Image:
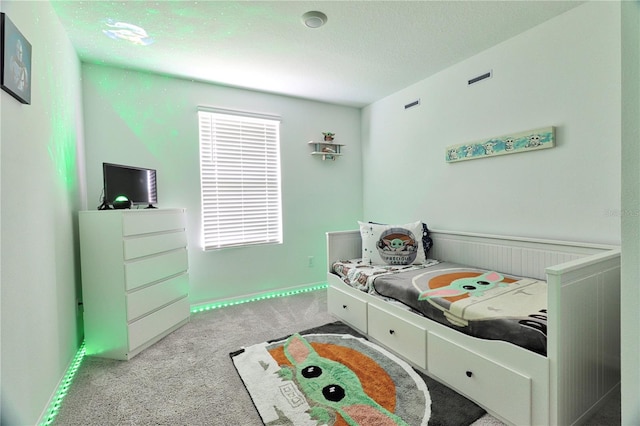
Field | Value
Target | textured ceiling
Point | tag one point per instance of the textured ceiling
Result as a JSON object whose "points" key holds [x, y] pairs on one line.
{"points": [[366, 51]]}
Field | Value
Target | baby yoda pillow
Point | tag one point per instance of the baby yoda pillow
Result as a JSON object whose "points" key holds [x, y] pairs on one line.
{"points": [[392, 244]]}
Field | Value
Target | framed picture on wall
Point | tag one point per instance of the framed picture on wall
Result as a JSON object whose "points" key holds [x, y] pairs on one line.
{"points": [[15, 70]]}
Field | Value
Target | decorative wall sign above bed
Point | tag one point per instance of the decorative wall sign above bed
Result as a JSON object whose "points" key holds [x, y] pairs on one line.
{"points": [[509, 144]]}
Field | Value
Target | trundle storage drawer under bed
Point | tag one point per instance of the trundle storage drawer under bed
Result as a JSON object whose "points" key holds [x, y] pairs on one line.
{"points": [[406, 338], [488, 383], [349, 308]]}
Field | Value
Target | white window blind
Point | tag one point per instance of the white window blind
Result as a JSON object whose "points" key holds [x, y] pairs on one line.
{"points": [[239, 179]]}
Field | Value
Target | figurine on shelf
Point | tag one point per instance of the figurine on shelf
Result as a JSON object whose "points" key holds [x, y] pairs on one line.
{"points": [[328, 136]]}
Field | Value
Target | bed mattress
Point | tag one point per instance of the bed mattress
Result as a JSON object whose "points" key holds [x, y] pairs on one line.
{"points": [[480, 303]]}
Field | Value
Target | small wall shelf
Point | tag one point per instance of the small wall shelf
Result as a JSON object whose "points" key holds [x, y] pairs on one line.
{"points": [[328, 150]]}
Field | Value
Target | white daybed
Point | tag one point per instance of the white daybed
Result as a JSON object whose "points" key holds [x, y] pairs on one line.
{"points": [[518, 386]]}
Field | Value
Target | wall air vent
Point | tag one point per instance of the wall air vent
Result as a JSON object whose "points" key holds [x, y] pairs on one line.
{"points": [[480, 78], [412, 104]]}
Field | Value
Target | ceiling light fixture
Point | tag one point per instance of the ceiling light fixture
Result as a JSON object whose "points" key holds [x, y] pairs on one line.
{"points": [[314, 19]]}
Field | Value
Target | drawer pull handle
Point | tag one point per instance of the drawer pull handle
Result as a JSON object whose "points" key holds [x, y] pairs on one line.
{"points": [[392, 331], [469, 373], [344, 306]]}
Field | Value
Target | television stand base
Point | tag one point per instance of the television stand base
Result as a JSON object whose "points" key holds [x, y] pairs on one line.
{"points": [[104, 206]]}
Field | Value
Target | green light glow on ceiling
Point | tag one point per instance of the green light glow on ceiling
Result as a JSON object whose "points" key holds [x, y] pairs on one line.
{"points": [[128, 32], [142, 102], [65, 384]]}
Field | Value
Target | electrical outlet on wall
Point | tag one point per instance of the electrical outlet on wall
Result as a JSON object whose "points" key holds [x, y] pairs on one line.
{"points": [[310, 261]]}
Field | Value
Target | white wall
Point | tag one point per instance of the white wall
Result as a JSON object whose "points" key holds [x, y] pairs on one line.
{"points": [[42, 179], [631, 217], [149, 120], [563, 73]]}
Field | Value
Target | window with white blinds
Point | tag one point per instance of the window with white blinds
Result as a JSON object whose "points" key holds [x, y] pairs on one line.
{"points": [[239, 179]]}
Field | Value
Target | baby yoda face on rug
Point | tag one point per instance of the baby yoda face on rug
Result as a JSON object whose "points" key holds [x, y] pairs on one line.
{"points": [[331, 387]]}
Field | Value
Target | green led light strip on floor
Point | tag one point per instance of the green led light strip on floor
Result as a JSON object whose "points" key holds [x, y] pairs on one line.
{"points": [[65, 384], [217, 305], [56, 403]]}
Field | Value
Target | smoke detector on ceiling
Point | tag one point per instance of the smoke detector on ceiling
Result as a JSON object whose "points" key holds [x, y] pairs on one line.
{"points": [[314, 19]]}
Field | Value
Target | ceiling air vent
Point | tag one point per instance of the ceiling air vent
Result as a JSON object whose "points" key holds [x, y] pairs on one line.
{"points": [[480, 78], [412, 104]]}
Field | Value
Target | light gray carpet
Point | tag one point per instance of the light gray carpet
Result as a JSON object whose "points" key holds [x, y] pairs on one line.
{"points": [[188, 377]]}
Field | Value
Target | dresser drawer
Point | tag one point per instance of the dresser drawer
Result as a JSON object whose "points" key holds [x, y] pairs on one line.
{"points": [[348, 308], [151, 244], [146, 328], [399, 335], [499, 388], [149, 269], [147, 222], [147, 299]]}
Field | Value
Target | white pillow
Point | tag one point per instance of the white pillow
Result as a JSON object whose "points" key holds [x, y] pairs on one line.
{"points": [[392, 244]]}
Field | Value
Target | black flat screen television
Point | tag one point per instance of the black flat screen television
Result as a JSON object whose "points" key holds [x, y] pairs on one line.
{"points": [[136, 183]]}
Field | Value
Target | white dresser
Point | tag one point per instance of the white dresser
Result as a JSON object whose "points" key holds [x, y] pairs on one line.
{"points": [[135, 283]]}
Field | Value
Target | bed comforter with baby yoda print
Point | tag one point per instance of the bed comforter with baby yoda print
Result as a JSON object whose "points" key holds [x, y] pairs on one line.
{"points": [[480, 303]]}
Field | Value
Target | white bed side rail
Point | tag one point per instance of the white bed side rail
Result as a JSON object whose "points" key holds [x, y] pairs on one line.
{"points": [[525, 257], [584, 331], [343, 245]]}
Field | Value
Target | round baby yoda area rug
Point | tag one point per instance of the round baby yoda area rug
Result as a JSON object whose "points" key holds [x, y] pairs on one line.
{"points": [[331, 375]]}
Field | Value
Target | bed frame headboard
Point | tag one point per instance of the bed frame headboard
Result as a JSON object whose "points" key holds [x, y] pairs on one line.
{"points": [[527, 257]]}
